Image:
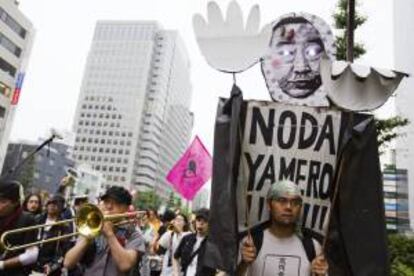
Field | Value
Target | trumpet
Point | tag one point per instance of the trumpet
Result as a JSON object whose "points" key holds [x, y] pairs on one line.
{"points": [[171, 227], [89, 222]]}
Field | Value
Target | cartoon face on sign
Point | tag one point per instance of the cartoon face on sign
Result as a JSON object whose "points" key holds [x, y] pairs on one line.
{"points": [[291, 65]]}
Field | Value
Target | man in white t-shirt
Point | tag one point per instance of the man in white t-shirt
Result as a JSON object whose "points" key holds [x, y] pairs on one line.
{"points": [[281, 251]]}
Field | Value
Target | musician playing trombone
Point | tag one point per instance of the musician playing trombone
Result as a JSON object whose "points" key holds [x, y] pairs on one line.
{"points": [[116, 250], [19, 262]]}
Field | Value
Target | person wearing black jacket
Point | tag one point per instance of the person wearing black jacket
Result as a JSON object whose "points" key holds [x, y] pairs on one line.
{"points": [[51, 254], [12, 216], [190, 251]]}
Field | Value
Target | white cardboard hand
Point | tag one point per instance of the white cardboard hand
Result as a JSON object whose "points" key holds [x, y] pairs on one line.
{"points": [[358, 88], [226, 44]]}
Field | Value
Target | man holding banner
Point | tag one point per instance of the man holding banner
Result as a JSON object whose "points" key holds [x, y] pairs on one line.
{"points": [[280, 246]]}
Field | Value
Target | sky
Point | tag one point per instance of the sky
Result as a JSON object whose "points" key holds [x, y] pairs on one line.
{"points": [[64, 31]]}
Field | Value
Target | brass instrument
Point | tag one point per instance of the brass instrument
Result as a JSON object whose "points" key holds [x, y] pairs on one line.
{"points": [[171, 227], [89, 222]]}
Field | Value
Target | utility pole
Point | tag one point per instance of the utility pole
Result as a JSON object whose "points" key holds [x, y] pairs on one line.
{"points": [[350, 31]]}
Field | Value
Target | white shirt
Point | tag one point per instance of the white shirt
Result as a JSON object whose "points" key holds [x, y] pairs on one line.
{"points": [[170, 246], [281, 257], [192, 267]]}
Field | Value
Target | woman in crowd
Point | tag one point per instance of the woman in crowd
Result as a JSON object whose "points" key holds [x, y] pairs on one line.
{"points": [[33, 204], [149, 234], [169, 242], [153, 219]]}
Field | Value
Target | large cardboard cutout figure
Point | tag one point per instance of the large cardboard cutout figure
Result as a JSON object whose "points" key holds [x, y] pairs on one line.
{"points": [[307, 135]]}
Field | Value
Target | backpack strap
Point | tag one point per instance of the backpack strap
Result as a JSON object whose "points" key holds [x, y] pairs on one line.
{"points": [[257, 236], [309, 247], [257, 233], [307, 241]]}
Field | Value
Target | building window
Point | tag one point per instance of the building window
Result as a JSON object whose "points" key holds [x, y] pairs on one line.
{"points": [[10, 45], [2, 111], [16, 27], [7, 67]]}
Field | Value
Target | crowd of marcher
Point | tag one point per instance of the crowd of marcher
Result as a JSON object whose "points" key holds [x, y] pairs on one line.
{"points": [[150, 244], [144, 243]]}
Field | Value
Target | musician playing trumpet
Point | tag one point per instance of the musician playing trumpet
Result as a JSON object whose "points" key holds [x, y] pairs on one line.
{"points": [[116, 250]]}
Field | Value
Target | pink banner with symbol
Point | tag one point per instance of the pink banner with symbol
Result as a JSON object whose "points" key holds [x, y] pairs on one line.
{"points": [[193, 170]]}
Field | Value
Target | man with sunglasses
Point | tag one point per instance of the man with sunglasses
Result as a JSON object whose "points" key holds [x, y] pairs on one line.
{"points": [[280, 249]]}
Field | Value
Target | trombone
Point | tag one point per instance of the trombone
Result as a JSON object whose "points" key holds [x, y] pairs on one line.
{"points": [[89, 222]]}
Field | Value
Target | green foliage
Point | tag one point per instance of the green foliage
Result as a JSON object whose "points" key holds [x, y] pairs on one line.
{"points": [[171, 201], [401, 249], [147, 200], [340, 16], [340, 19], [340, 43], [174, 201], [387, 129]]}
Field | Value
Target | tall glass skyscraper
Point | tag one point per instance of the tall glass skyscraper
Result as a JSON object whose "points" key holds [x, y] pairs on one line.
{"points": [[133, 121]]}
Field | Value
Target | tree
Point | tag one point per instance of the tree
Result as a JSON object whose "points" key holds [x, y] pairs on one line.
{"points": [[147, 200], [386, 128], [401, 250], [171, 201], [340, 19]]}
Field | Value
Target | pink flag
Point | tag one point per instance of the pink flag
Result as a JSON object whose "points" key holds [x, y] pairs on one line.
{"points": [[193, 170]]}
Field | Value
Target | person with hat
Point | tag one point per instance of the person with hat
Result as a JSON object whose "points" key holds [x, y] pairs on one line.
{"points": [[79, 201], [12, 216], [190, 251], [51, 254], [281, 248], [116, 250]]}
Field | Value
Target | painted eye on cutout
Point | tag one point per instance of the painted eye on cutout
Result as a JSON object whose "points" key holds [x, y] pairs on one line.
{"points": [[313, 50], [286, 52]]}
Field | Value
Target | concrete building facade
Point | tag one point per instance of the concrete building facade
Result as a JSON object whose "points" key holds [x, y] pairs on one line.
{"points": [[404, 61], [16, 38], [133, 120]]}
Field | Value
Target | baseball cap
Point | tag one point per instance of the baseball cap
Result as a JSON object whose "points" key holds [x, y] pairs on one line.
{"points": [[58, 200], [202, 213], [119, 194], [80, 199], [283, 188]]}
